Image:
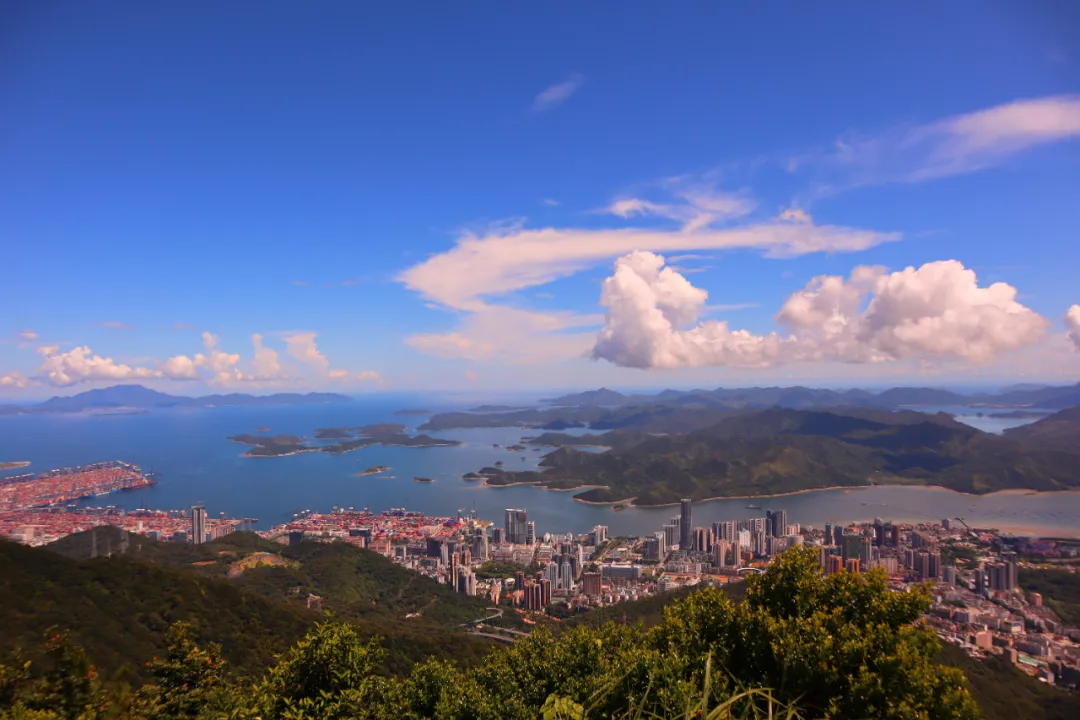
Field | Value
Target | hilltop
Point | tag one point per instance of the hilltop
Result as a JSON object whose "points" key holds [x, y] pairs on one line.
{"points": [[1060, 431]]}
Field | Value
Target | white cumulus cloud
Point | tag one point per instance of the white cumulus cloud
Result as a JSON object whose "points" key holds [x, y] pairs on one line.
{"points": [[1072, 322], [16, 380], [936, 311], [80, 365], [302, 347], [180, 367], [265, 366]]}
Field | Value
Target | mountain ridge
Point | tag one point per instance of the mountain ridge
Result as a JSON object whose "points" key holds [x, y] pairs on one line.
{"points": [[141, 397]]}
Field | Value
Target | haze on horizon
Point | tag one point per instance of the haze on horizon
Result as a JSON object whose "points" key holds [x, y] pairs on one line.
{"points": [[205, 199]]}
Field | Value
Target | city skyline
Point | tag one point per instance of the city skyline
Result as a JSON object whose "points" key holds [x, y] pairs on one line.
{"points": [[344, 198]]}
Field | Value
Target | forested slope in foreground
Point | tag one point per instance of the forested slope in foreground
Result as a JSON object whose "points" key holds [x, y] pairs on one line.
{"points": [[842, 646], [120, 608]]}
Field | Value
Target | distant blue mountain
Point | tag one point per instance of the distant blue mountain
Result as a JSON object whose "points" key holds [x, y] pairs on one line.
{"points": [[137, 396]]}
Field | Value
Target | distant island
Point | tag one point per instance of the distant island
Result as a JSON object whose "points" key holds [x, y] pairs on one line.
{"points": [[779, 451], [423, 480], [373, 470], [131, 398], [686, 410], [413, 412], [350, 439], [14, 465]]}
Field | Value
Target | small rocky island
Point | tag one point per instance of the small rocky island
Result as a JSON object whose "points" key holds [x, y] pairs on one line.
{"points": [[14, 465], [373, 470], [423, 480], [349, 439]]}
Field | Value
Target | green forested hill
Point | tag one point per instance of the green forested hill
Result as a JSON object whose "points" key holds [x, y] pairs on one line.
{"points": [[778, 451], [119, 607]]}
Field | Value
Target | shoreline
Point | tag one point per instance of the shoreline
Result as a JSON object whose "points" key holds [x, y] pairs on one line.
{"points": [[1009, 491], [630, 500]]}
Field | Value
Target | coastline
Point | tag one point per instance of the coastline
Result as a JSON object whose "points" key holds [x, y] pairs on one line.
{"points": [[1009, 491], [14, 465]]}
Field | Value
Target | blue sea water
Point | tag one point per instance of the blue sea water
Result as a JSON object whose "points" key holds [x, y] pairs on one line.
{"points": [[194, 463]]}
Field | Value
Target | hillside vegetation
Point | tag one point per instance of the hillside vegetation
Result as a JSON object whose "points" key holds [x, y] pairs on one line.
{"points": [[843, 647], [120, 608], [778, 451]]}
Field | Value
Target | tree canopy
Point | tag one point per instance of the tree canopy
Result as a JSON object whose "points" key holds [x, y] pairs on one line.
{"points": [[799, 645]]}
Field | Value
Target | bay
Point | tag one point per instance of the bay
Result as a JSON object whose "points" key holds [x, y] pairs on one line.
{"points": [[194, 463]]}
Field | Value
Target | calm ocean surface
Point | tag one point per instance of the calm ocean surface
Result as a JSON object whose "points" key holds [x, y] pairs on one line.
{"points": [[194, 463]]}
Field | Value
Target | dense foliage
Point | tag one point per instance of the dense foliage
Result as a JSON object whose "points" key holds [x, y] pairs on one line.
{"points": [[1005, 693], [842, 646], [120, 608], [1060, 590]]}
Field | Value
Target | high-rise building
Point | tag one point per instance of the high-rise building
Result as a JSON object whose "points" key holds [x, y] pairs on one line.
{"points": [[671, 534], [566, 575], [497, 535], [686, 525], [828, 534], [652, 547], [1009, 558], [198, 525], [725, 530], [852, 565], [866, 551], [833, 564], [776, 523], [838, 536], [599, 534], [851, 547], [934, 565], [530, 532], [893, 535], [948, 574], [702, 539], [879, 532], [946, 524], [591, 583], [516, 520], [721, 551], [980, 581], [480, 546], [742, 539]]}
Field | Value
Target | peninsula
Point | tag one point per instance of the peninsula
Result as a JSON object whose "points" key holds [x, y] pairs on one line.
{"points": [[779, 451], [350, 439]]}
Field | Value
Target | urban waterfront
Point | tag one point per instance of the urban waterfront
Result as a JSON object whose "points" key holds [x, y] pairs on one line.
{"points": [[194, 463]]}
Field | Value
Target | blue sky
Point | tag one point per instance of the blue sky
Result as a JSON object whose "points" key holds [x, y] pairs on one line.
{"points": [[433, 196]]}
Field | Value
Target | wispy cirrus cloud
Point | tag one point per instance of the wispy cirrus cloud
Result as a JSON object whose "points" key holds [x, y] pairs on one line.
{"points": [[951, 146], [504, 258], [555, 95], [113, 324]]}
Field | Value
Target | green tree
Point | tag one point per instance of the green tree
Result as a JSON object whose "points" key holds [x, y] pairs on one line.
{"points": [[842, 646], [190, 682]]}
